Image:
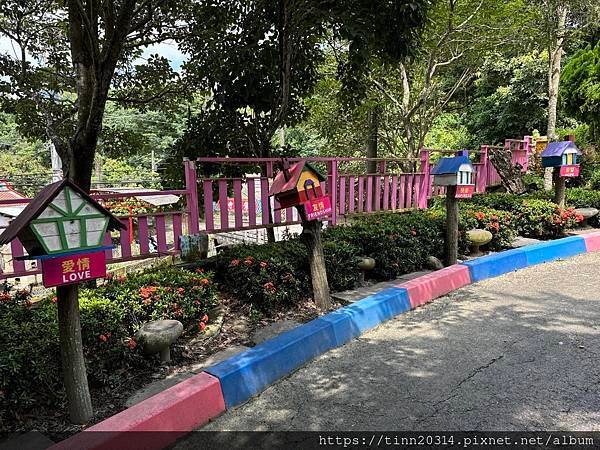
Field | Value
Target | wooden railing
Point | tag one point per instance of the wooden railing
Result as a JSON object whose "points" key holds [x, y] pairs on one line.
{"points": [[217, 204]]}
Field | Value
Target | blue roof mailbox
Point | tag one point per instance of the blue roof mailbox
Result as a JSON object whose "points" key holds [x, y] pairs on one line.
{"points": [[455, 171], [563, 155]]}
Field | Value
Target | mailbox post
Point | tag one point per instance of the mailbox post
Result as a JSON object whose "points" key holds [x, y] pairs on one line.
{"points": [[300, 185], [64, 228], [563, 157], [456, 174]]}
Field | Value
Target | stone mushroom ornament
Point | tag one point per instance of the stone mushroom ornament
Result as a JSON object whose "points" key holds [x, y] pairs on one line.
{"points": [[477, 238], [157, 337]]}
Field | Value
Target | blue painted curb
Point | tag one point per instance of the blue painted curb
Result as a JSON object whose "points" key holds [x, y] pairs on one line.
{"points": [[353, 320], [552, 250], [250, 372], [495, 265], [245, 375]]}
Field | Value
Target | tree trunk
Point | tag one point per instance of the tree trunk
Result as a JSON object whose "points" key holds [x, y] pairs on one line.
{"points": [[71, 349], [559, 187], [554, 65], [372, 167], [511, 176], [311, 236], [451, 243]]}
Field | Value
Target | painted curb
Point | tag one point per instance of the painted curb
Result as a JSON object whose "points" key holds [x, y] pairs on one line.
{"points": [[427, 287], [495, 265], [178, 410], [553, 250], [193, 402], [245, 375], [592, 241]]}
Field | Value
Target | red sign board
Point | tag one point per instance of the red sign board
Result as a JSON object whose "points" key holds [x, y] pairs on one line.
{"points": [[72, 269], [317, 208], [569, 171], [465, 191]]}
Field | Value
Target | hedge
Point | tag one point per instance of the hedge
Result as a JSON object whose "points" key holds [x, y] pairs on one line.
{"points": [[534, 215], [275, 275], [30, 368]]}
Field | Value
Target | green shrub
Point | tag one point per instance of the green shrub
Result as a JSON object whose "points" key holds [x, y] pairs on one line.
{"points": [[499, 223], [30, 367], [534, 215]]}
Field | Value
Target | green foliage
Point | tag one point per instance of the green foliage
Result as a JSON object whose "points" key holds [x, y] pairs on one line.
{"points": [[269, 276], [510, 98], [532, 217], [448, 131], [30, 369], [580, 85]]}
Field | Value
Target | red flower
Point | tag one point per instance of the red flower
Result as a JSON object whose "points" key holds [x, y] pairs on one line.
{"points": [[413, 232], [234, 262], [146, 301], [263, 264], [204, 281], [270, 287], [5, 297], [54, 299], [199, 270], [28, 303], [131, 344], [180, 291], [121, 278], [249, 260], [202, 326], [103, 338], [204, 318], [479, 215]]}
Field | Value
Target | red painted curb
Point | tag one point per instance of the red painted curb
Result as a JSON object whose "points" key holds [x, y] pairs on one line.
{"points": [[424, 289], [177, 410], [592, 241]]}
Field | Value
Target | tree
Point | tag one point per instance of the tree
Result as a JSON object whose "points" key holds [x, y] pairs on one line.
{"points": [[580, 88], [72, 58], [509, 98], [459, 35]]}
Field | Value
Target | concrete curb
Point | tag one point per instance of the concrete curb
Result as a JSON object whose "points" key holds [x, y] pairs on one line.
{"points": [[195, 401]]}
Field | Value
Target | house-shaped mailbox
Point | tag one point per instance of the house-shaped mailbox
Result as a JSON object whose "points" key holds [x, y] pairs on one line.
{"points": [[564, 155], [455, 171], [64, 228], [300, 185]]}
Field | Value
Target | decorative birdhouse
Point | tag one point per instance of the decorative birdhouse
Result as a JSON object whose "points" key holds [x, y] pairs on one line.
{"points": [[300, 185], [64, 227], [563, 155], [455, 171]]}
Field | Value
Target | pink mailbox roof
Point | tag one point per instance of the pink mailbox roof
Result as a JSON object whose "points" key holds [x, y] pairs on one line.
{"points": [[280, 184]]}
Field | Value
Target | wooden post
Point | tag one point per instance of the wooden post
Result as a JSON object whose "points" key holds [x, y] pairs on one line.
{"points": [[559, 188], [451, 242], [311, 236], [71, 350]]}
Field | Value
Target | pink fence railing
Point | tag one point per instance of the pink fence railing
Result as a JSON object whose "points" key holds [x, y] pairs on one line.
{"points": [[215, 204], [145, 236]]}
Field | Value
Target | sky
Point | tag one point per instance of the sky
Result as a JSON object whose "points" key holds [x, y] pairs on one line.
{"points": [[167, 49]]}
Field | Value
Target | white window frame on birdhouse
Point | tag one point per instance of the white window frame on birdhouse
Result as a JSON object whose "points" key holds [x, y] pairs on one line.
{"points": [[70, 223]]}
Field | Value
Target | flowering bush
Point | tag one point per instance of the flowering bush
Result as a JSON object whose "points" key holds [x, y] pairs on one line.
{"points": [[30, 371], [499, 223]]}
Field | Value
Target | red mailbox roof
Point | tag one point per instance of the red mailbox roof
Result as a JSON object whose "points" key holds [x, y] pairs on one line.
{"points": [[39, 203], [280, 184]]}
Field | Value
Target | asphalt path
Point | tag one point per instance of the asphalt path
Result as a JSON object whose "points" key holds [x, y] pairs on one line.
{"points": [[517, 352]]}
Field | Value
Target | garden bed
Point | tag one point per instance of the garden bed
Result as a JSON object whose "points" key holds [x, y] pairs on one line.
{"points": [[254, 284]]}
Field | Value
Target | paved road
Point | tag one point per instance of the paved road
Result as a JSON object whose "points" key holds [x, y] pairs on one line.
{"points": [[518, 352]]}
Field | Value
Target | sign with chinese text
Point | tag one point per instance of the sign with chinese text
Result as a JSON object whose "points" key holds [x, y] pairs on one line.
{"points": [[317, 208], [465, 191], [569, 171], [74, 268]]}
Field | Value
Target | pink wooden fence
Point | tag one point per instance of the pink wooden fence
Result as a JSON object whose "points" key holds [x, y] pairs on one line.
{"points": [[224, 204]]}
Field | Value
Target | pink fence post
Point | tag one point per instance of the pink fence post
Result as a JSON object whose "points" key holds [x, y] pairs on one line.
{"points": [[424, 182], [125, 240], [191, 186], [161, 233], [237, 202], [176, 230], [482, 176], [209, 221], [332, 184], [251, 202], [16, 249], [342, 210], [143, 235]]}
